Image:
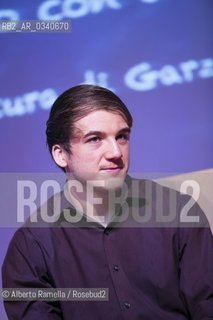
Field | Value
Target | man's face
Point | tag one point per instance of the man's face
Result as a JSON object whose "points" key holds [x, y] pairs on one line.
{"points": [[100, 149]]}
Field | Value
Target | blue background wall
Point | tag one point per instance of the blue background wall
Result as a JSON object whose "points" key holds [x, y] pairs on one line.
{"points": [[157, 55]]}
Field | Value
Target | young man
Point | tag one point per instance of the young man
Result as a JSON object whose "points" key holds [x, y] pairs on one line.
{"points": [[113, 231]]}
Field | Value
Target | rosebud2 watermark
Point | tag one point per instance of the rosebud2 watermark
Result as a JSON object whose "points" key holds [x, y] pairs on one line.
{"points": [[54, 294]]}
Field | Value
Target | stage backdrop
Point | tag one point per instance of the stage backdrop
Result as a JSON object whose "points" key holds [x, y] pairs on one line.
{"points": [[157, 55]]}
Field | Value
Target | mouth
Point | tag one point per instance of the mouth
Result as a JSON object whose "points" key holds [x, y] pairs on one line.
{"points": [[112, 169]]}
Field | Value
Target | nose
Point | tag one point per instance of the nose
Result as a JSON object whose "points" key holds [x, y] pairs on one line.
{"points": [[113, 150]]}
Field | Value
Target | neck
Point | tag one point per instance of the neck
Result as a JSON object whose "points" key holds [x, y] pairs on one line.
{"points": [[95, 202]]}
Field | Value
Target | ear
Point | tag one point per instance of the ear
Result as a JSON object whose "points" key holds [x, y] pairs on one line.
{"points": [[59, 155]]}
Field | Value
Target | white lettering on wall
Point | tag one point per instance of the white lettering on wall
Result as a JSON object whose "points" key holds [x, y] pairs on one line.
{"points": [[27, 103], [9, 14], [99, 79], [142, 77], [58, 9]]}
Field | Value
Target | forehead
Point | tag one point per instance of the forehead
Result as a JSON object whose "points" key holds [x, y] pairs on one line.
{"points": [[101, 120]]}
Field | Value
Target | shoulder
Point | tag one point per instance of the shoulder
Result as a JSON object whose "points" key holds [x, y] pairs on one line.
{"points": [[168, 207]]}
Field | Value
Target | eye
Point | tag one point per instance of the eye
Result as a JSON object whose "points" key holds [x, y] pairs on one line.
{"points": [[123, 137], [94, 140]]}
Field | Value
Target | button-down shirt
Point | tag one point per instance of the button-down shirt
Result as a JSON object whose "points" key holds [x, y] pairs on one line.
{"points": [[152, 271]]}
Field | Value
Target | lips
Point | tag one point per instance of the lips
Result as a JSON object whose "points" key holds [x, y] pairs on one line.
{"points": [[112, 169]]}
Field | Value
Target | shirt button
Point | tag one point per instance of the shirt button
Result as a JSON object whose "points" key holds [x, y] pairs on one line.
{"points": [[127, 305], [116, 267]]}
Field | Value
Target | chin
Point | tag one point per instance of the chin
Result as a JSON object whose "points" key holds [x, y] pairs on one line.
{"points": [[106, 181], [114, 182]]}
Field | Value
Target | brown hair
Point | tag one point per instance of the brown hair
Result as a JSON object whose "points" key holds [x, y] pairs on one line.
{"points": [[76, 103]]}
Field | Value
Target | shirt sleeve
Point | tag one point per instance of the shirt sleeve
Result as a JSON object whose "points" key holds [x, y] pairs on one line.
{"points": [[196, 267], [24, 267]]}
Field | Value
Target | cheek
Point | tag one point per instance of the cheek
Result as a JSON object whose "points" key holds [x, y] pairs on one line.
{"points": [[85, 159], [125, 152]]}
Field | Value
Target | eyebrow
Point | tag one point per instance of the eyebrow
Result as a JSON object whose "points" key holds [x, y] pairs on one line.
{"points": [[101, 133]]}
